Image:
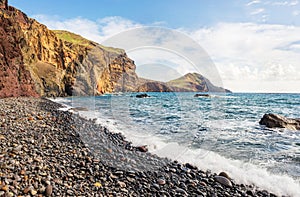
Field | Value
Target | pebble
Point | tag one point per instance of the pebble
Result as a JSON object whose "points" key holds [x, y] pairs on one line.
{"points": [[56, 153], [224, 174], [161, 181], [223, 181], [121, 184], [33, 192], [49, 190]]}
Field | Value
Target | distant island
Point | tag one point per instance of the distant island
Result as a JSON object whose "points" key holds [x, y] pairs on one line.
{"points": [[41, 62]]}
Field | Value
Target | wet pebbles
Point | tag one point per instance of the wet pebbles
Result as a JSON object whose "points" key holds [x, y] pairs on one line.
{"points": [[47, 152]]}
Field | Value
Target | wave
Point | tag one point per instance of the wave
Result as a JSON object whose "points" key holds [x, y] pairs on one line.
{"points": [[241, 172]]}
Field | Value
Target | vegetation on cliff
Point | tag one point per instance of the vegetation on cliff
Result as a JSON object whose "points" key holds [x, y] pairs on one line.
{"points": [[57, 63], [36, 61]]}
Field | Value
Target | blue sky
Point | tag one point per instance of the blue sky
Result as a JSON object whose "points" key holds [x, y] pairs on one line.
{"points": [[174, 13], [254, 44]]}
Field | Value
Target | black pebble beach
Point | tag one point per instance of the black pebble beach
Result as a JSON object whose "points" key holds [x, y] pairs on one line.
{"points": [[44, 152]]}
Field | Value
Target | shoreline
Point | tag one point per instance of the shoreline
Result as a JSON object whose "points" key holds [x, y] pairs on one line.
{"points": [[43, 152]]}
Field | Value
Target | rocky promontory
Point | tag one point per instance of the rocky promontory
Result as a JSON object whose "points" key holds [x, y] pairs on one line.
{"points": [[36, 61]]}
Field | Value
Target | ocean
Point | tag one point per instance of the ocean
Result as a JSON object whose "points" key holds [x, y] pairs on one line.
{"points": [[217, 133]]}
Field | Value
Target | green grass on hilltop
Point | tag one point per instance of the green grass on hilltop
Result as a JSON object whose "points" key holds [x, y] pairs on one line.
{"points": [[77, 39], [72, 38]]}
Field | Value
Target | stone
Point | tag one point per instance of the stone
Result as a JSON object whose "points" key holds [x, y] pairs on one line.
{"points": [[121, 184], [33, 192], [224, 174], [142, 96], [4, 188], [49, 190], [142, 148], [278, 121], [161, 181], [181, 191], [223, 181], [202, 95], [190, 166]]}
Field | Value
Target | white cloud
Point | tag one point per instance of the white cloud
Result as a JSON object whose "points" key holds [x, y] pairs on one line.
{"points": [[253, 2], [293, 3], [248, 56], [257, 11], [94, 30], [284, 3], [295, 12], [250, 52]]}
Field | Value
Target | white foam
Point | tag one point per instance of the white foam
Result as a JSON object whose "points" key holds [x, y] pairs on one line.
{"points": [[246, 173], [63, 102], [241, 172]]}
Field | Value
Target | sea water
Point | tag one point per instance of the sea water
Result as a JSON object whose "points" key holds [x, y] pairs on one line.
{"points": [[220, 132]]}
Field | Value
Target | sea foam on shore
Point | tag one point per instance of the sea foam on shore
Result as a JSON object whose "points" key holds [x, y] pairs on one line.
{"points": [[242, 172]]}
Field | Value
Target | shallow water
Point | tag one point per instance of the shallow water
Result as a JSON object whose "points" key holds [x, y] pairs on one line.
{"points": [[220, 133]]}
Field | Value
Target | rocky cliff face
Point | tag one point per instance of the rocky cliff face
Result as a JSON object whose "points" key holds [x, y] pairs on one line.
{"points": [[191, 82], [15, 80], [38, 61]]}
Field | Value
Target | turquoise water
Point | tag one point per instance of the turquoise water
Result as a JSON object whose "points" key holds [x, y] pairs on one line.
{"points": [[224, 125]]}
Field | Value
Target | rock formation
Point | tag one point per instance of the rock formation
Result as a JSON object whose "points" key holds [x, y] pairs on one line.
{"points": [[194, 82], [191, 82], [38, 61], [3, 4], [277, 121], [15, 80]]}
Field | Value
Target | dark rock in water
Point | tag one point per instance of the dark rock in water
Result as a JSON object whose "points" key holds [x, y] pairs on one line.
{"points": [[142, 96], [202, 95], [277, 121], [79, 109], [143, 149]]}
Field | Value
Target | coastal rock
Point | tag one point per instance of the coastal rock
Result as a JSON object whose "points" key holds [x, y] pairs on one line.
{"points": [[202, 95], [49, 190], [194, 82], [278, 121], [154, 86], [142, 148], [224, 174], [223, 181], [41, 62], [191, 82], [142, 96]]}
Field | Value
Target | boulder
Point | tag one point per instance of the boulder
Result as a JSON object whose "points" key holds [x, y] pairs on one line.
{"points": [[278, 121], [142, 148], [202, 95], [142, 96], [223, 180]]}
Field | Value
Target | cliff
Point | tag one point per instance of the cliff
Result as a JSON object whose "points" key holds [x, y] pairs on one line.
{"points": [[191, 82], [37, 61], [194, 82], [15, 79]]}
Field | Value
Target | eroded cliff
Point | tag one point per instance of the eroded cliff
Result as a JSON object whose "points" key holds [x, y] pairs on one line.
{"points": [[38, 61]]}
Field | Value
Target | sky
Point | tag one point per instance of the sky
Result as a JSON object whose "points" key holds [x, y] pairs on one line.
{"points": [[254, 45]]}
